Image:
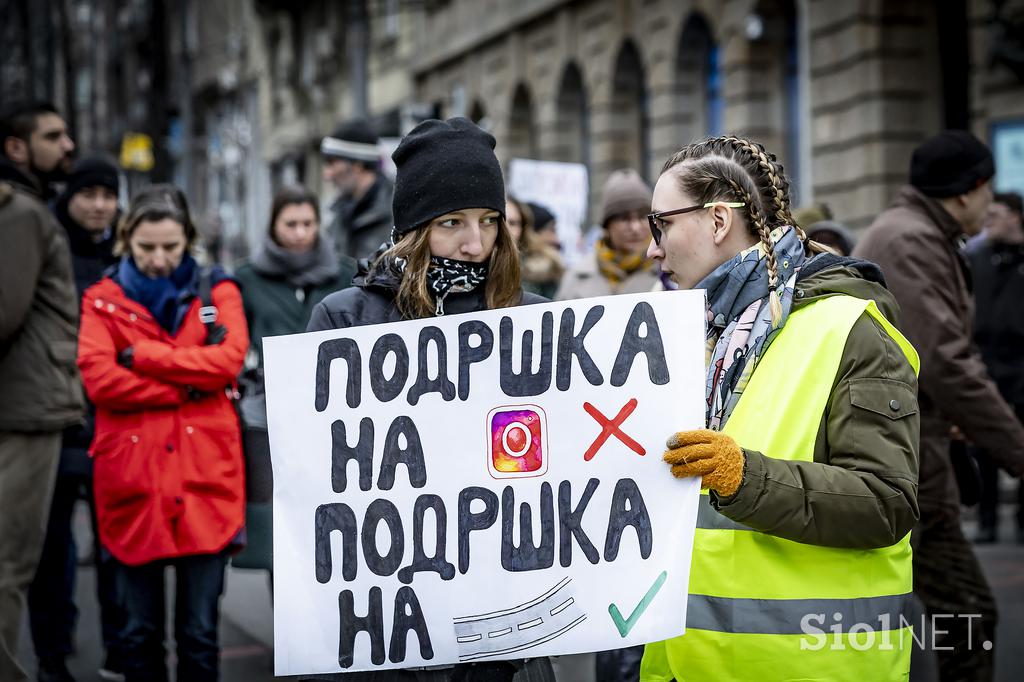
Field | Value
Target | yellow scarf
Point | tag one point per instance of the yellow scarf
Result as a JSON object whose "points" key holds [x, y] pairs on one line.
{"points": [[616, 266]]}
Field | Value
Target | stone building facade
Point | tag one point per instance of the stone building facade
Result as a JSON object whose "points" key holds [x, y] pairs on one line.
{"points": [[842, 92], [236, 94]]}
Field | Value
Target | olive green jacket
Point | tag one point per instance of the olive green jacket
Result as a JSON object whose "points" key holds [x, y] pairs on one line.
{"points": [[861, 489], [40, 389]]}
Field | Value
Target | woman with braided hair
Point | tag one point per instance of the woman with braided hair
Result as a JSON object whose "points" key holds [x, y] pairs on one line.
{"points": [[801, 567]]}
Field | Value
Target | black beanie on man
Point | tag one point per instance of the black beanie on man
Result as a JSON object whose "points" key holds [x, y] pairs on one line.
{"points": [[92, 171], [950, 164], [445, 166]]}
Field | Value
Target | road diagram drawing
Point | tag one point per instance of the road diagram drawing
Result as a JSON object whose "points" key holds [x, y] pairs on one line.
{"points": [[520, 627]]}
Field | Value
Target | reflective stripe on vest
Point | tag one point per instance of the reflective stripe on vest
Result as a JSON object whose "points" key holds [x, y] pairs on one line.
{"points": [[755, 599]]}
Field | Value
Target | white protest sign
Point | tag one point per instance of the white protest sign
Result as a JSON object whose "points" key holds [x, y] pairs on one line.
{"points": [[484, 486], [561, 188]]}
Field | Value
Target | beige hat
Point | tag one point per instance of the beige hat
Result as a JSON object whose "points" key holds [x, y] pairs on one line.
{"points": [[624, 191]]}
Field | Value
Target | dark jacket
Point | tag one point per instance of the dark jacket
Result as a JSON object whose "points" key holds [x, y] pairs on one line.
{"points": [[274, 307], [362, 225], [860, 491], [89, 260], [40, 388], [371, 300], [998, 273], [917, 244]]}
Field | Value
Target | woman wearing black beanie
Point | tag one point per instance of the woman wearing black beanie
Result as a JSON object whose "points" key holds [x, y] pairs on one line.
{"points": [[450, 252]]}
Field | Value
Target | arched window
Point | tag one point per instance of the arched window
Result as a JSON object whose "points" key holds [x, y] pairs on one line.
{"points": [[522, 133], [699, 105], [478, 115], [572, 119], [630, 147]]}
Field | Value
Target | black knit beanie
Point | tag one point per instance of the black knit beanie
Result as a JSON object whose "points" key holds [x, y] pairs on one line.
{"points": [[541, 216], [950, 164], [92, 171], [445, 166]]}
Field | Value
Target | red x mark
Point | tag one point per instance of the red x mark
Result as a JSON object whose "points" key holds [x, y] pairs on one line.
{"points": [[610, 427]]}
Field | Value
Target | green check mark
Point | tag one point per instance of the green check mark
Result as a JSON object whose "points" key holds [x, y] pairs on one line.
{"points": [[624, 625]]}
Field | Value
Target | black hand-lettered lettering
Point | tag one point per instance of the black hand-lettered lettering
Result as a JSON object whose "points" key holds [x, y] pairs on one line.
{"points": [[570, 523], [329, 351], [570, 345], [408, 616], [420, 561], [526, 556], [329, 518], [351, 625], [411, 456], [424, 384], [469, 354], [633, 344], [628, 509], [386, 511], [470, 521], [342, 452], [527, 382], [388, 389]]}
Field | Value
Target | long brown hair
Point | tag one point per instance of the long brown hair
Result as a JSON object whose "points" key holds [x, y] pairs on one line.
{"points": [[730, 168], [414, 299], [151, 204]]}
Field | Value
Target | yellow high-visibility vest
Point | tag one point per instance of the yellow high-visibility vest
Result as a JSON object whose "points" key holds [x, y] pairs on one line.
{"points": [[755, 599]]}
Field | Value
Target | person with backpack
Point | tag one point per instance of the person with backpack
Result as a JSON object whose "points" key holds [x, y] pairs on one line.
{"points": [[160, 367]]}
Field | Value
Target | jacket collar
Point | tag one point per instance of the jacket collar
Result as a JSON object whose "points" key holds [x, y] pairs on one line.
{"points": [[12, 174], [912, 197]]}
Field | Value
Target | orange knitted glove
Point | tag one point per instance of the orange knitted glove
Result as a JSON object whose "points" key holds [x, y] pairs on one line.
{"points": [[713, 456]]}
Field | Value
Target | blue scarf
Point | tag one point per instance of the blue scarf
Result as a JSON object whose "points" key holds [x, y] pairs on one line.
{"points": [[740, 325], [164, 297]]}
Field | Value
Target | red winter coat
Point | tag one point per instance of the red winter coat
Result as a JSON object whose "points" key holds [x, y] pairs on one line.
{"points": [[168, 468]]}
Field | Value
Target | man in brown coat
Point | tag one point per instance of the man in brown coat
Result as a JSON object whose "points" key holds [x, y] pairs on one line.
{"points": [[917, 242], [40, 391]]}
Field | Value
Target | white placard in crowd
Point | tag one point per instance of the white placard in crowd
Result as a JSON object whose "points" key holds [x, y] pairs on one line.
{"points": [[484, 486], [1008, 149], [561, 188]]}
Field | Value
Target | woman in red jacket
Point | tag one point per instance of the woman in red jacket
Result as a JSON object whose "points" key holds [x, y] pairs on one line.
{"points": [[168, 462]]}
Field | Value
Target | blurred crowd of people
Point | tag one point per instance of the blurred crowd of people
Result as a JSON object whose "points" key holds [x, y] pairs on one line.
{"points": [[116, 338]]}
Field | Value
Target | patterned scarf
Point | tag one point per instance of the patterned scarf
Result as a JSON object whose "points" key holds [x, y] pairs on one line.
{"points": [[616, 266], [447, 275], [739, 318]]}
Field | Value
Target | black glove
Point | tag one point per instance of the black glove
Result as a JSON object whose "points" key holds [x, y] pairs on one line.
{"points": [[194, 393], [125, 357], [215, 334]]}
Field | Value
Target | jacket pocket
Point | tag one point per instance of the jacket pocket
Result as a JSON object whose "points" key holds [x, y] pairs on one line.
{"points": [[886, 397], [63, 355]]}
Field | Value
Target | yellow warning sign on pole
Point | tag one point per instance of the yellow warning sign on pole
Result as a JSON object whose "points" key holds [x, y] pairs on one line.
{"points": [[137, 152]]}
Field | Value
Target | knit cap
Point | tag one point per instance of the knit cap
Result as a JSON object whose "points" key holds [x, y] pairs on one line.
{"points": [[445, 166], [354, 140], [624, 191], [950, 164], [93, 171]]}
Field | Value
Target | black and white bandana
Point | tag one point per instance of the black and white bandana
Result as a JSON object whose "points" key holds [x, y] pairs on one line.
{"points": [[447, 276]]}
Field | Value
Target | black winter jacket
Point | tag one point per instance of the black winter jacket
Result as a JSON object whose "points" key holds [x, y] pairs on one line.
{"points": [[998, 273], [89, 260]]}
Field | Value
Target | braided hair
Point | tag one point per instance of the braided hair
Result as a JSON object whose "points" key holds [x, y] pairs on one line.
{"points": [[730, 168]]}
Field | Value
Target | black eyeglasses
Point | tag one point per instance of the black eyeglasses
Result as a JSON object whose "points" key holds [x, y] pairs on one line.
{"points": [[653, 218]]}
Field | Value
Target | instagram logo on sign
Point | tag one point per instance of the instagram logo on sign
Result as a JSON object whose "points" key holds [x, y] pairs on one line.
{"points": [[517, 441]]}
